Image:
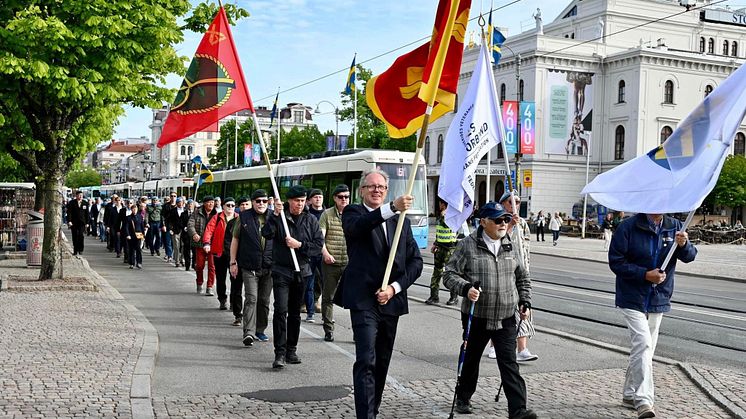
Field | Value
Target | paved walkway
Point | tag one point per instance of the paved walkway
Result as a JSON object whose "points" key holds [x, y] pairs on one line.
{"points": [[82, 351]]}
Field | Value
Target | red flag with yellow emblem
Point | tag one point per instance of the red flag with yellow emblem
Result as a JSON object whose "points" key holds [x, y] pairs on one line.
{"points": [[399, 95], [213, 87]]}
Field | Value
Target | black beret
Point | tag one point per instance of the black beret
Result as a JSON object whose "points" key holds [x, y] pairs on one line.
{"points": [[207, 198], [340, 188], [296, 191], [314, 192], [229, 199], [243, 199], [259, 193]]}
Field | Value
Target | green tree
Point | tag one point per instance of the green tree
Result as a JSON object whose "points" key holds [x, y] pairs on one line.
{"points": [[302, 142], [730, 190], [372, 132], [246, 133], [86, 176], [66, 70], [11, 171]]}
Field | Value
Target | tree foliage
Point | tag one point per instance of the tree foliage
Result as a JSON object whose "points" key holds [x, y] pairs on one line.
{"points": [[302, 142], [372, 132], [730, 190], [86, 176], [246, 133]]}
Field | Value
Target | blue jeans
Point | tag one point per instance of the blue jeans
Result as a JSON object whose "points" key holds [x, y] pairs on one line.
{"points": [[155, 230], [308, 296], [167, 246], [102, 232]]}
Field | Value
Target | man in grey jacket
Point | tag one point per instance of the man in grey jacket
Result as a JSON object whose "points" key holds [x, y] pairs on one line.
{"points": [[489, 256]]}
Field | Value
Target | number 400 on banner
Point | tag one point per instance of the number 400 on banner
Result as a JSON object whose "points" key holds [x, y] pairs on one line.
{"points": [[510, 118], [528, 127]]}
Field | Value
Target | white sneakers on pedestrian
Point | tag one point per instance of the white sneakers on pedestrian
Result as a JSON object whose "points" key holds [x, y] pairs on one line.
{"points": [[525, 355], [491, 354], [209, 292]]}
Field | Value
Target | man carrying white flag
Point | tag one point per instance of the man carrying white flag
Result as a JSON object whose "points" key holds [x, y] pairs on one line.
{"points": [[473, 132]]}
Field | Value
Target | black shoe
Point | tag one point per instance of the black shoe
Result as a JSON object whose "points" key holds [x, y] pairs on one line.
{"points": [[453, 301], [248, 340], [292, 358], [464, 407], [432, 301], [523, 414], [223, 306], [328, 337], [158, 252], [279, 362]]}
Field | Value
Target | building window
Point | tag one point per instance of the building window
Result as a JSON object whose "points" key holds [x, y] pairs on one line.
{"points": [[520, 90], [209, 136], [427, 149], [619, 143], [668, 92], [182, 168], [620, 92], [183, 151], [708, 90], [298, 117], [440, 148], [502, 93], [702, 44], [190, 150], [725, 47], [734, 49], [739, 145], [711, 46], [665, 133], [209, 151]]}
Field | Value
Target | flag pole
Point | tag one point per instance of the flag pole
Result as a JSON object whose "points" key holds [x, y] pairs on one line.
{"points": [[511, 181], [673, 248], [437, 71], [354, 142], [275, 190], [235, 143], [196, 187]]}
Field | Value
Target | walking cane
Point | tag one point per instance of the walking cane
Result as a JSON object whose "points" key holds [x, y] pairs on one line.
{"points": [[500, 389], [463, 350]]}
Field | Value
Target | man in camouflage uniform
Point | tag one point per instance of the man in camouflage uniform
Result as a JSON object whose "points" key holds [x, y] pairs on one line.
{"points": [[445, 242]]}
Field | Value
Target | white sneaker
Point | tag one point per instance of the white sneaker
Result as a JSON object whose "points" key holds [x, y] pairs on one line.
{"points": [[525, 356], [209, 292], [491, 354]]}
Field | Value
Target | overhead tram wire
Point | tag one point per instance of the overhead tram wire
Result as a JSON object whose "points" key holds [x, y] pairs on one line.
{"points": [[346, 69]]}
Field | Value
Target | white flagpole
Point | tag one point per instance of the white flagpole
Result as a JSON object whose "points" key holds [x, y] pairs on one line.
{"points": [[279, 130], [675, 246], [489, 157], [354, 87], [275, 189], [235, 142]]}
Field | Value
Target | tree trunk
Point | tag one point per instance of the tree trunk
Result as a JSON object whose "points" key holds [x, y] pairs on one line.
{"points": [[39, 198], [51, 259]]}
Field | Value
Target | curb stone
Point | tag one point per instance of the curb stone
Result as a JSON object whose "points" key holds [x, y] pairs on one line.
{"points": [[711, 392]]}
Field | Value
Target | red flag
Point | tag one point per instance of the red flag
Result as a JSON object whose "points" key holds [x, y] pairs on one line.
{"points": [[393, 95], [213, 87]]}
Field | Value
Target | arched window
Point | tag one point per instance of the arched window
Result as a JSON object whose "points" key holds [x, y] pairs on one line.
{"points": [[440, 148], [668, 92], [734, 49], [711, 46], [183, 151], [702, 44], [739, 145], [190, 150], [427, 150], [708, 90], [520, 90], [502, 93], [665, 133], [619, 143], [725, 47], [620, 92]]}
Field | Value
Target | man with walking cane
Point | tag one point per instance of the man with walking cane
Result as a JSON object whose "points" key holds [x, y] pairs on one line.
{"points": [[489, 256]]}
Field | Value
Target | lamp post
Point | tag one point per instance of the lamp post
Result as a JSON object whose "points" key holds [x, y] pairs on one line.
{"points": [[518, 121], [336, 119]]}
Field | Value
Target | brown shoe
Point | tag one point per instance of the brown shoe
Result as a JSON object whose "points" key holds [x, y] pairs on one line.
{"points": [[645, 411]]}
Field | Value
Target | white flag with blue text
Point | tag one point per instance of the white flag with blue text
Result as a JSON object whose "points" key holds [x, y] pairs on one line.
{"points": [[678, 175], [473, 132]]}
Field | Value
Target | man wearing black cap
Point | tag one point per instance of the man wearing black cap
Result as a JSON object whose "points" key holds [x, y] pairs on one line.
{"points": [[305, 240], [196, 229], [489, 256], [251, 264], [77, 220], [313, 287], [369, 232]]}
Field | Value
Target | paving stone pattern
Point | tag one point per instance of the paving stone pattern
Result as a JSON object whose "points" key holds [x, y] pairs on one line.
{"points": [[730, 384]]}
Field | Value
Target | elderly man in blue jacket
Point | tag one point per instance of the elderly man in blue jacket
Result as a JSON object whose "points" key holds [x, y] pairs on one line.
{"points": [[643, 293]]}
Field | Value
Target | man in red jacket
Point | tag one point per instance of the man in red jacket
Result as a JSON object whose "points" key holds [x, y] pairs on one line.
{"points": [[218, 243]]}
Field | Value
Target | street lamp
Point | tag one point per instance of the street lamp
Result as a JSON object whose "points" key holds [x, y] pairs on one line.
{"points": [[336, 119]]}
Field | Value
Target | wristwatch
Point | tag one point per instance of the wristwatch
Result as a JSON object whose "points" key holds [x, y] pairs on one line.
{"points": [[392, 206]]}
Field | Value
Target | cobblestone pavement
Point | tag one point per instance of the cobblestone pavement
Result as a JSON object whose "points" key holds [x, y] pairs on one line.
{"points": [[578, 394]]}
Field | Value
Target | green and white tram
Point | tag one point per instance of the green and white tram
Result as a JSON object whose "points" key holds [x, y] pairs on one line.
{"points": [[325, 173]]}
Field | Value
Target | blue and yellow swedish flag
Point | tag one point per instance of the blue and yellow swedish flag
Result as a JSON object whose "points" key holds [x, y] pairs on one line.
{"points": [[350, 86], [496, 41], [273, 114], [205, 174]]}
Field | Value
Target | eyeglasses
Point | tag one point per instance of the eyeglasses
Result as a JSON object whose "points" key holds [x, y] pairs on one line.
{"points": [[501, 220], [229, 205], [261, 201], [343, 196], [373, 188]]}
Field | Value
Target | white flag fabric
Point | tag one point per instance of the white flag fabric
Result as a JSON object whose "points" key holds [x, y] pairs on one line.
{"points": [[678, 175], [473, 132]]}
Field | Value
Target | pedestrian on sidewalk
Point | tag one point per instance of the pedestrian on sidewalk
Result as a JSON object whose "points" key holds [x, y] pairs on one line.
{"points": [[287, 284], [643, 294], [196, 229], [251, 268], [489, 255], [334, 253], [541, 222], [176, 223], [189, 251], [369, 231], [217, 241], [167, 237], [77, 220], [154, 220], [608, 229], [555, 224], [445, 243], [135, 230], [313, 287]]}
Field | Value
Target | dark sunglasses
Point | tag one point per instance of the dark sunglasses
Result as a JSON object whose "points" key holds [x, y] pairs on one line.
{"points": [[501, 220], [343, 196], [261, 201], [229, 205]]}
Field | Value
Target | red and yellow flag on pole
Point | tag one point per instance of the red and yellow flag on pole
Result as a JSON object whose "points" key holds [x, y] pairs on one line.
{"points": [[399, 96], [213, 87]]}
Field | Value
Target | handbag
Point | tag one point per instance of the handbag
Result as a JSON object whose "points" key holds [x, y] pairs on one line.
{"points": [[139, 236]]}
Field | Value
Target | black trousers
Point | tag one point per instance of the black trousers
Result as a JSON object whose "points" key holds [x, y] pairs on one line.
{"points": [[374, 334], [504, 341], [221, 272], [540, 230], [237, 295], [135, 253], [78, 233], [286, 319]]}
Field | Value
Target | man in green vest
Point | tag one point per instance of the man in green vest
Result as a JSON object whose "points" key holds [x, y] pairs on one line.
{"points": [[445, 243], [334, 254]]}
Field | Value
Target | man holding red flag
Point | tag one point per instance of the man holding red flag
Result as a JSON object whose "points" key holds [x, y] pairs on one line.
{"points": [[213, 87]]}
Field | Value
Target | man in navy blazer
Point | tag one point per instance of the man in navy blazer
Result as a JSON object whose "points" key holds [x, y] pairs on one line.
{"points": [[369, 230]]}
